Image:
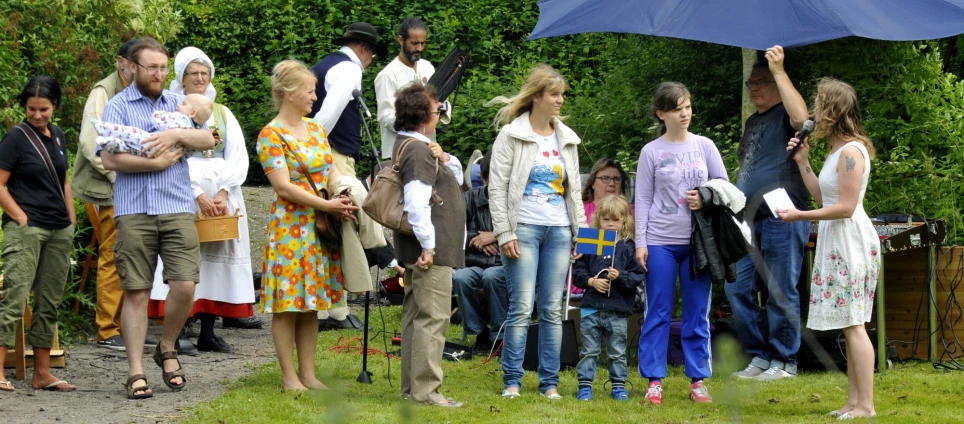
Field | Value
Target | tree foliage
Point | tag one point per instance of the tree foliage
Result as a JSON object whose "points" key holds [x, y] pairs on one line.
{"points": [[75, 42]]}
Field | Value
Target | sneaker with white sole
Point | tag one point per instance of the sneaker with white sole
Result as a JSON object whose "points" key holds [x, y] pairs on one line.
{"points": [[699, 394], [112, 343], [751, 371], [654, 393], [773, 374]]}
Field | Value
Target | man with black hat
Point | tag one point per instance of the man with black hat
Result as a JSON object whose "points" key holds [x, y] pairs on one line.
{"points": [[339, 74]]}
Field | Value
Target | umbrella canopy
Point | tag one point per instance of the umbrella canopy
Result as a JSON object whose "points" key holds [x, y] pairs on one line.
{"points": [[755, 24]]}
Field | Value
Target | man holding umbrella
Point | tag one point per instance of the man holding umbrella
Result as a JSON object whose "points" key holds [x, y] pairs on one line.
{"points": [[771, 334]]}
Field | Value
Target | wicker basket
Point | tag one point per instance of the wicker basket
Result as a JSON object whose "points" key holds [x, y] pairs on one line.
{"points": [[218, 228]]}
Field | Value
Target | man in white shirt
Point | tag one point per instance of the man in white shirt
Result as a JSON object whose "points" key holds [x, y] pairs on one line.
{"points": [[407, 68], [339, 74]]}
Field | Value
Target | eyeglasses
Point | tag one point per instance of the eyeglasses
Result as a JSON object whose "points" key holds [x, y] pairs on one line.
{"points": [[197, 74], [757, 83], [610, 180], [154, 70]]}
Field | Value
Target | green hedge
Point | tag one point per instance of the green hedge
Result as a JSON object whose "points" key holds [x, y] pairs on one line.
{"points": [[74, 41], [245, 38]]}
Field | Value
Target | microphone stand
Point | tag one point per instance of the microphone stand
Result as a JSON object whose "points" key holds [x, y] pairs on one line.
{"points": [[366, 376]]}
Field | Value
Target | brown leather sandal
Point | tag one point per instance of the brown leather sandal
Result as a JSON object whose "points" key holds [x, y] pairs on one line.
{"points": [[159, 359], [132, 392]]}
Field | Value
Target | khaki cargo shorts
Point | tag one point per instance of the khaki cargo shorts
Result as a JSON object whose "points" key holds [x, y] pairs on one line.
{"points": [[141, 238]]}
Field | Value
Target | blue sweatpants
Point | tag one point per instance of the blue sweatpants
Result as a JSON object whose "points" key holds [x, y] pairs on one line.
{"points": [[665, 263]]}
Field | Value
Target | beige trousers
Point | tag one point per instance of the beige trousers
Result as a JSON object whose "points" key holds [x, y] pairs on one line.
{"points": [[426, 309]]}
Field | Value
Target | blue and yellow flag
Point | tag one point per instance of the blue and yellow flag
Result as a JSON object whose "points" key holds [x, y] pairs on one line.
{"points": [[594, 241]]}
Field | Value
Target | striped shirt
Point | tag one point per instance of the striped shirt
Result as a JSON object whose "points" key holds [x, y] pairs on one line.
{"points": [[155, 192]]}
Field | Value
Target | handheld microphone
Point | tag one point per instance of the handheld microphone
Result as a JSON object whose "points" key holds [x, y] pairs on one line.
{"points": [[356, 94], [804, 133]]}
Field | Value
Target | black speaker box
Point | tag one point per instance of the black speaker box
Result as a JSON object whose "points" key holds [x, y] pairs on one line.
{"points": [[820, 349], [569, 356]]}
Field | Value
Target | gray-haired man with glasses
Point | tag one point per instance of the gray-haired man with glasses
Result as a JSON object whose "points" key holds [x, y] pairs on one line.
{"points": [[770, 334]]}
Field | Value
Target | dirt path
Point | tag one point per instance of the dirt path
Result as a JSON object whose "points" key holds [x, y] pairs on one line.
{"points": [[100, 373]]}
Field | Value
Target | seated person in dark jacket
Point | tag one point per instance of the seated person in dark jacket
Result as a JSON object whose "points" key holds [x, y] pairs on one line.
{"points": [[483, 269], [610, 286]]}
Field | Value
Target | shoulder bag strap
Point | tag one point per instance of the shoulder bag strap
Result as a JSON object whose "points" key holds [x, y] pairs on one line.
{"points": [[42, 151], [401, 150], [301, 165]]}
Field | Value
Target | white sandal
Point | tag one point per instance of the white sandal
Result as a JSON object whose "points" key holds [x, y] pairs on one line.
{"points": [[849, 415], [7, 383], [506, 394]]}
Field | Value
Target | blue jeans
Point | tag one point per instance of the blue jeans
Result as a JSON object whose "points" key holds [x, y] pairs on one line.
{"points": [[612, 326], [665, 264], [539, 272], [467, 282], [770, 335]]}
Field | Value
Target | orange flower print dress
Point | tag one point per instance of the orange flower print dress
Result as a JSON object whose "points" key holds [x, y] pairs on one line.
{"points": [[300, 273]]}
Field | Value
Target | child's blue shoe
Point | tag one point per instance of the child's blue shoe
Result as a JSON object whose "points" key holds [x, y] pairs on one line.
{"points": [[584, 393], [619, 393]]}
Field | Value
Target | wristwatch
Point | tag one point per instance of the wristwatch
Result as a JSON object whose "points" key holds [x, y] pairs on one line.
{"points": [[430, 252]]}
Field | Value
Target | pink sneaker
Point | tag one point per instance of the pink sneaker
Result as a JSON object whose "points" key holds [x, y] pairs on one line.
{"points": [[699, 394], [654, 393]]}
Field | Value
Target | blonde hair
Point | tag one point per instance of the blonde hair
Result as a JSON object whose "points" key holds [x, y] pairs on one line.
{"points": [[615, 206], [287, 77], [202, 104], [541, 79], [837, 114]]}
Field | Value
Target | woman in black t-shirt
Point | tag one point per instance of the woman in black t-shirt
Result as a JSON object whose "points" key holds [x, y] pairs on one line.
{"points": [[38, 227]]}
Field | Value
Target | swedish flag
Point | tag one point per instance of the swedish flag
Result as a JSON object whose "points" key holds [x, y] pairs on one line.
{"points": [[594, 241]]}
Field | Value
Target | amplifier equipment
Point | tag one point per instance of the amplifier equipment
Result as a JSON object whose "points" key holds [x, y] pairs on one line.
{"points": [[899, 236]]}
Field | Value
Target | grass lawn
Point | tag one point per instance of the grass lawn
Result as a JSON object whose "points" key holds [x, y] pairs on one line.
{"points": [[910, 393]]}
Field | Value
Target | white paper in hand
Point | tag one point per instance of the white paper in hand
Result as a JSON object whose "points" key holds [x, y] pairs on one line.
{"points": [[778, 199]]}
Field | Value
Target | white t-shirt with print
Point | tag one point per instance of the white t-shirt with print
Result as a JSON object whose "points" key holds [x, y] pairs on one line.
{"points": [[544, 198]]}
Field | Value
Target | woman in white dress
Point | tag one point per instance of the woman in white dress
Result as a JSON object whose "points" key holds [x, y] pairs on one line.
{"points": [[847, 259], [225, 288]]}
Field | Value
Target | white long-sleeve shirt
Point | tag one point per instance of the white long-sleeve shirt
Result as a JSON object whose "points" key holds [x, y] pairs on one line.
{"points": [[418, 198], [340, 81], [396, 76]]}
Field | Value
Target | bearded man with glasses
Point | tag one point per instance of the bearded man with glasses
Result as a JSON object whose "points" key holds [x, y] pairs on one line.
{"points": [[154, 214]]}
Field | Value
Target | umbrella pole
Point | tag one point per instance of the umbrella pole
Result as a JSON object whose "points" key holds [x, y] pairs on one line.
{"points": [[568, 290]]}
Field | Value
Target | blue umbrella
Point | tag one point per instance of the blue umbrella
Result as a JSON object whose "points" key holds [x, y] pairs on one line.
{"points": [[755, 24]]}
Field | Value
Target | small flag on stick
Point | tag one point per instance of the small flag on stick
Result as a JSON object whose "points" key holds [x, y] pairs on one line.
{"points": [[594, 241]]}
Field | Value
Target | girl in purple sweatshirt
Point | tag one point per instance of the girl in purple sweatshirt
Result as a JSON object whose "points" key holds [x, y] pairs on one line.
{"points": [[669, 171]]}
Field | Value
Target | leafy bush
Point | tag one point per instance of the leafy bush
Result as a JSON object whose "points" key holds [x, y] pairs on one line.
{"points": [[245, 38], [75, 42]]}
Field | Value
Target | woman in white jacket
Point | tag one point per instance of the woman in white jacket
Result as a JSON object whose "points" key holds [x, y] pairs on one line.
{"points": [[534, 198]]}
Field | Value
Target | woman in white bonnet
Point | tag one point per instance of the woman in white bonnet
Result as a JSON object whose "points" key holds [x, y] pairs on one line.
{"points": [[225, 288]]}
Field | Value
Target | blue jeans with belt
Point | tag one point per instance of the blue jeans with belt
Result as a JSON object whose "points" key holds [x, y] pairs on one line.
{"points": [[772, 334], [538, 276]]}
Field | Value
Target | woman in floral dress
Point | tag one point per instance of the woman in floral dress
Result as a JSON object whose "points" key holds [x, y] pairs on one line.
{"points": [[847, 258], [301, 274]]}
